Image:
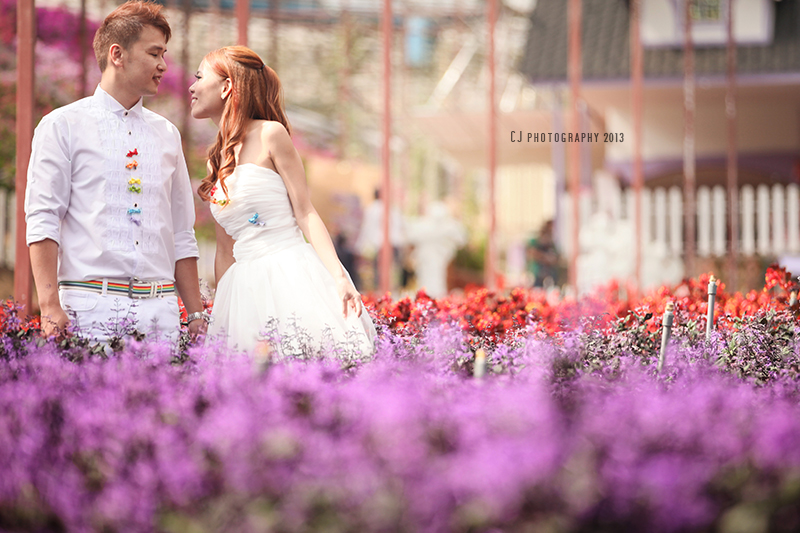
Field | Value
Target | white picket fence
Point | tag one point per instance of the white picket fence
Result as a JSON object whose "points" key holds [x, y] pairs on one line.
{"points": [[205, 265], [769, 225], [8, 228], [769, 219]]}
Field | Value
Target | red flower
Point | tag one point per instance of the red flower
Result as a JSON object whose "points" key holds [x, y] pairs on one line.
{"points": [[132, 153]]}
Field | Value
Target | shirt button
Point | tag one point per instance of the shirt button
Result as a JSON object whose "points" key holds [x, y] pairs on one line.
{"points": [[136, 242], [135, 205], [126, 113], [129, 133]]}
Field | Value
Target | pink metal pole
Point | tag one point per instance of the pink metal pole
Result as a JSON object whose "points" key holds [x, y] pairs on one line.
{"points": [[574, 68], [213, 27], [636, 99], [490, 275], [689, 164], [344, 85], [26, 41], [385, 259], [273, 33], [83, 46], [733, 165], [186, 129], [242, 18]]}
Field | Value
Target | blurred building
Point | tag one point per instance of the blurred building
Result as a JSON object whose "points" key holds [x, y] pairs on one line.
{"points": [[768, 129], [328, 55], [534, 111]]}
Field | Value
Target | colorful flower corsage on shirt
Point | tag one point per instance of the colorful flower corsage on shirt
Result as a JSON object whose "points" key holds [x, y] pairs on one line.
{"points": [[134, 186]]}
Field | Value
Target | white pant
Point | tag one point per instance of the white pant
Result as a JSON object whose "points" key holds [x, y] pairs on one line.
{"points": [[102, 316]]}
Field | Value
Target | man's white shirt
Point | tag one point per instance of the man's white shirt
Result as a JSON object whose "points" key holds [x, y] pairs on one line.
{"points": [[111, 217], [370, 237]]}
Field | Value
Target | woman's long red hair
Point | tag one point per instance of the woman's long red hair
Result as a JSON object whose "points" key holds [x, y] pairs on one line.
{"points": [[256, 95]]}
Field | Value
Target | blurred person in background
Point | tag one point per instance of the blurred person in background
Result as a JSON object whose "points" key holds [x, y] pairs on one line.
{"points": [[543, 259], [370, 238], [109, 206], [272, 285], [347, 256], [436, 237]]}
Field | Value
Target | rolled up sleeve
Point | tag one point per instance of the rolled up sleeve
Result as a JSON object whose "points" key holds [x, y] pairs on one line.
{"points": [[49, 181], [183, 210]]}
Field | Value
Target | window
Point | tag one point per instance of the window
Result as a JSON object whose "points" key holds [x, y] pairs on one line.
{"points": [[705, 10]]}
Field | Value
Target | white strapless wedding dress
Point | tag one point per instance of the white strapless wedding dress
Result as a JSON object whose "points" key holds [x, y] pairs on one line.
{"points": [[278, 294]]}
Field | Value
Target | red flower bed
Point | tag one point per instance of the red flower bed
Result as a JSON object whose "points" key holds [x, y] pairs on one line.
{"points": [[496, 316]]}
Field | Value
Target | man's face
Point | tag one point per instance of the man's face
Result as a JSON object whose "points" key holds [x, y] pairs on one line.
{"points": [[144, 64]]}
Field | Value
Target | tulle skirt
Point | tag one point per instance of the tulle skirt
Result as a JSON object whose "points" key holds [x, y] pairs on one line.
{"points": [[286, 302]]}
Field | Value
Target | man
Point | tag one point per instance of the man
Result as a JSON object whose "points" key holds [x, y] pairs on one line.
{"points": [[109, 206], [370, 238]]}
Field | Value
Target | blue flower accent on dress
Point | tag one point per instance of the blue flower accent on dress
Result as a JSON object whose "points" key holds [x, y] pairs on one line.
{"points": [[254, 220]]}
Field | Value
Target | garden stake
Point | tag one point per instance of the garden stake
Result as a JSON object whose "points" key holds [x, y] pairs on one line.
{"points": [[262, 357], [666, 323], [479, 368], [792, 298], [712, 293]]}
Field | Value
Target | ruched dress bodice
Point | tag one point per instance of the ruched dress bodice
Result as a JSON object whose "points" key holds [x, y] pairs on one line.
{"points": [[260, 219], [277, 295]]}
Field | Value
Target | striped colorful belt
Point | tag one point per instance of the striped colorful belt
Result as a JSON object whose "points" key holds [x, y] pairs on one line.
{"points": [[133, 288]]}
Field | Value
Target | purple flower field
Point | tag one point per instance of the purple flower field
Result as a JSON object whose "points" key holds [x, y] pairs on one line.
{"points": [[566, 434]]}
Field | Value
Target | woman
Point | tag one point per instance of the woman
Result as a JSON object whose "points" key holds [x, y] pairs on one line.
{"points": [[274, 289]]}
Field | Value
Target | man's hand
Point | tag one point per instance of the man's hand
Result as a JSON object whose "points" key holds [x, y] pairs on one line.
{"points": [[187, 283], [54, 321], [44, 261], [197, 327]]}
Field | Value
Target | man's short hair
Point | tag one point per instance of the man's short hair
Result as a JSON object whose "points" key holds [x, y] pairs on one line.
{"points": [[124, 26]]}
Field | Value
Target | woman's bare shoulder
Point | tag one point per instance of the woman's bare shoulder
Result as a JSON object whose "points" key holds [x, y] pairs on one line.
{"points": [[271, 129], [275, 138]]}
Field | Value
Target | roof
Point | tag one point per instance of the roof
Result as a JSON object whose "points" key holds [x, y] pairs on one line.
{"points": [[331, 10], [606, 50]]}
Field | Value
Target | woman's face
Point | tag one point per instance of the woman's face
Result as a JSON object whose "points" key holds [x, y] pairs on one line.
{"points": [[209, 92]]}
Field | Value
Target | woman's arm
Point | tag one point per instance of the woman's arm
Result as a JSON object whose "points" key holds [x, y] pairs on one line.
{"points": [[284, 156], [223, 259]]}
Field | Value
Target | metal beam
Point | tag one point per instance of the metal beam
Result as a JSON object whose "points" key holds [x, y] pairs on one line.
{"points": [[574, 68], [637, 76], [274, 24], [83, 48], [344, 86], [689, 162], [26, 42], [242, 18], [186, 130], [214, 26], [491, 245], [453, 72], [385, 259], [733, 165]]}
